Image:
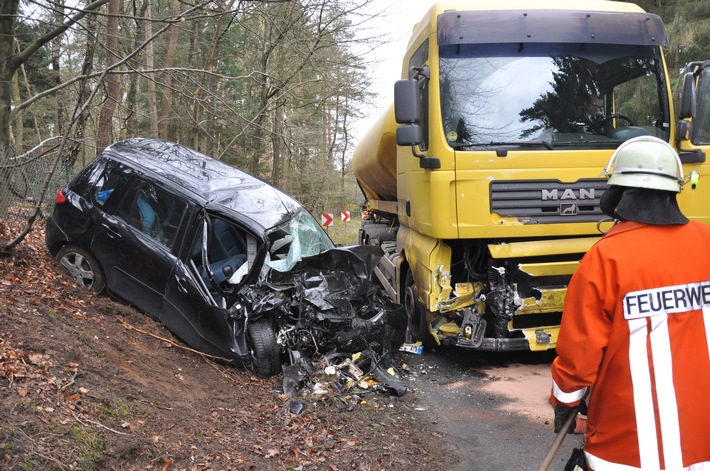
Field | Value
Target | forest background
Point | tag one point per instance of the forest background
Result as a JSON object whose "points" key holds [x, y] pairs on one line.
{"points": [[271, 87]]}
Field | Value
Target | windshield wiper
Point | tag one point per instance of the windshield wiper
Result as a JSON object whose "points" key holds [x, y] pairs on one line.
{"points": [[540, 143], [602, 143]]}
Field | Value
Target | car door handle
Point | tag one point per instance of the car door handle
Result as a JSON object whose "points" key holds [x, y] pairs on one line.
{"points": [[112, 232], [180, 285]]}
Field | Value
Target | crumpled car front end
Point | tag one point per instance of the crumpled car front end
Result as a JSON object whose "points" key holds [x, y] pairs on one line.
{"points": [[326, 302]]}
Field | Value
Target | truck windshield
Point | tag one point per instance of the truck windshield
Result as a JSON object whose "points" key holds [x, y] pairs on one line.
{"points": [[550, 96]]}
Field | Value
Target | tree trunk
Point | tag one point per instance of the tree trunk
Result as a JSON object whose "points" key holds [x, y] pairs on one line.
{"points": [[56, 71], [276, 140], [166, 117], [84, 90], [132, 93], [113, 85], [182, 130], [209, 65], [343, 156], [8, 14], [149, 65], [17, 137]]}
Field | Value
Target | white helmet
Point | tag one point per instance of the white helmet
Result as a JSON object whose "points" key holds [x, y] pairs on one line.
{"points": [[646, 162]]}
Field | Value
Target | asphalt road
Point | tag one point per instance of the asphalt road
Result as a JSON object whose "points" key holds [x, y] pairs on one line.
{"points": [[490, 409]]}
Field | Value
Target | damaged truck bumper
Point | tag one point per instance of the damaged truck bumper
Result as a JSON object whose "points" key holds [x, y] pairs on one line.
{"points": [[517, 307]]}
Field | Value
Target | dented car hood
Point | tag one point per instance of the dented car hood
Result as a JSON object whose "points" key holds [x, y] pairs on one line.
{"points": [[328, 301]]}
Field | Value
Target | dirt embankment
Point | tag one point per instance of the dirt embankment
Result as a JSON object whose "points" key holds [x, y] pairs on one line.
{"points": [[88, 383]]}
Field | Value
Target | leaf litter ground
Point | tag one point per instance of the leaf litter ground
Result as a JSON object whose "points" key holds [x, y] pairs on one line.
{"points": [[89, 383]]}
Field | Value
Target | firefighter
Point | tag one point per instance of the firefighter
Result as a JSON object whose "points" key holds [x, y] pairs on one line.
{"points": [[635, 329]]}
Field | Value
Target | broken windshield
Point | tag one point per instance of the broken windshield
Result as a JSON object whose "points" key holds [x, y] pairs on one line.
{"points": [[551, 95], [295, 239]]}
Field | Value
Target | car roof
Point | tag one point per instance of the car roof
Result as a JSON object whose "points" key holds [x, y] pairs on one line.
{"points": [[214, 184]]}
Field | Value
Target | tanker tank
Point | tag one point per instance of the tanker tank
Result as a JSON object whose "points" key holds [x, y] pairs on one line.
{"points": [[375, 159]]}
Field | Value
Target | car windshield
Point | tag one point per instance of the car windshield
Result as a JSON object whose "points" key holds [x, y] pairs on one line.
{"points": [[551, 95], [295, 239]]}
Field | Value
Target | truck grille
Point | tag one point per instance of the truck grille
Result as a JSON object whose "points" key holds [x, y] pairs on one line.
{"points": [[548, 201]]}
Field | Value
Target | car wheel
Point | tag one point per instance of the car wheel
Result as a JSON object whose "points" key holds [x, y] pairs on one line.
{"points": [[83, 267], [264, 351], [417, 330]]}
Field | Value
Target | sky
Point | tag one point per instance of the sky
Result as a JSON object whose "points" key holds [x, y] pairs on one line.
{"points": [[394, 19]]}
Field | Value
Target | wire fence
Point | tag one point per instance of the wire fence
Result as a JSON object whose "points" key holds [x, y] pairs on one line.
{"points": [[30, 181]]}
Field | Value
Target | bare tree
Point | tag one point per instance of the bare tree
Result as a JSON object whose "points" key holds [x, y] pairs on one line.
{"points": [[165, 118], [149, 63], [10, 62], [113, 85], [259, 84]]}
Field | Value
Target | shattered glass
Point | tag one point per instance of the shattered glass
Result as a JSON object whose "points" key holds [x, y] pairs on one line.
{"points": [[305, 237]]}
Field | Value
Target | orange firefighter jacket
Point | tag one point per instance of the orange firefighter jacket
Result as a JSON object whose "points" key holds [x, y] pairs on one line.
{"points": [[635, 333]]}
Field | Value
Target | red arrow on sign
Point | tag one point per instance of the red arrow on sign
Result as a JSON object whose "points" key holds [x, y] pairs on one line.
{"points": [[326, 219], [344, 216]]}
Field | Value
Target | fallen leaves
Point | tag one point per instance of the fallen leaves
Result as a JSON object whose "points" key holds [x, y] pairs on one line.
{"points": [[65, 363]]}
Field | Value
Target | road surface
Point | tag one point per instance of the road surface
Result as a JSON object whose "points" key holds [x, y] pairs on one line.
{"points": [[491, 408]]}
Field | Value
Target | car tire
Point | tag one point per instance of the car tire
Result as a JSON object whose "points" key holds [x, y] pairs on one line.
{"points": [[83, 267], [264, 350]]}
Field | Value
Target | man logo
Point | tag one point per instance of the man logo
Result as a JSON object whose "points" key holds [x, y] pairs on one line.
{"points": [[568, 209], [568, 194]]}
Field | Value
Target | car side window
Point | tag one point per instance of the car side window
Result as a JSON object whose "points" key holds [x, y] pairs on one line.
{"points": [[109, 187], [230, 253], [152, 211]]}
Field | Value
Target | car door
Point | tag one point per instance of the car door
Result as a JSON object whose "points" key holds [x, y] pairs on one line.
{"points": [[210, 321], [135, 248]]}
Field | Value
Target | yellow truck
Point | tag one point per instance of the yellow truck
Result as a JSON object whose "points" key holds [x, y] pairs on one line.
{"points": [[482, 181]]}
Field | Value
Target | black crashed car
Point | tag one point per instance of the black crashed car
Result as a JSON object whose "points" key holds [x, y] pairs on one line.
{"points": [[231, 265]]}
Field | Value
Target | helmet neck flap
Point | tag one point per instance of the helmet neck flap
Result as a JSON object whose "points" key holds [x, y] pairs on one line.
{"points": [[644, 205]]}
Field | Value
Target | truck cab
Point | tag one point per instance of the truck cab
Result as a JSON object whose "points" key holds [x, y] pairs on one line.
{"points": [[502, 124]]}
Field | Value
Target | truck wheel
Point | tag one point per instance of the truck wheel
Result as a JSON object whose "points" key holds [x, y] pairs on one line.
{"points": [[264, 351], [417, 329], [83, 267]]}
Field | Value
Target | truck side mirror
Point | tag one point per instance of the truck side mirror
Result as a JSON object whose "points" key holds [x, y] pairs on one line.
{"points": [[409, 135], [687, 110], [687, 106], [406, 101], [407, 112]]}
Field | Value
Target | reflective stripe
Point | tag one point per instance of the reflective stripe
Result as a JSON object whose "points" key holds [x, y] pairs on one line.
{"points": [[665, 392], [643, 399], [598, 464], [567, 398]]}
